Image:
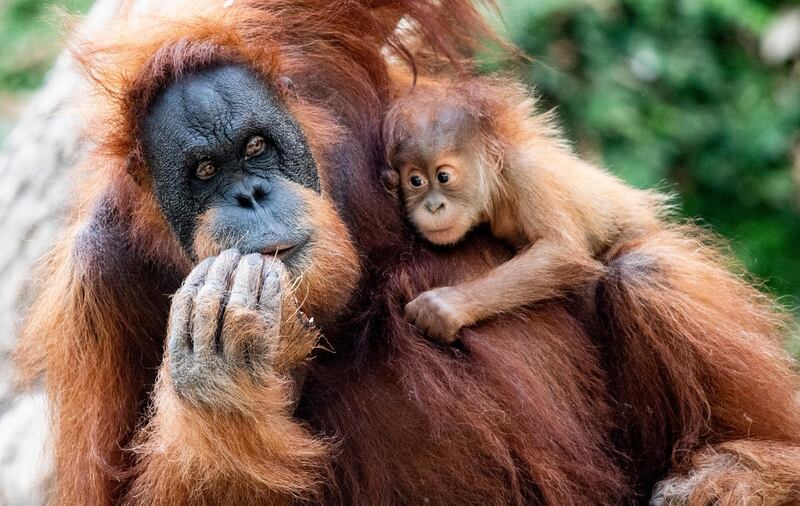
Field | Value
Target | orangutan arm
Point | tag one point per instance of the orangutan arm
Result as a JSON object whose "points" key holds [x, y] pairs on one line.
{"points": [[223, 431], [94, 332], [545, 270]]}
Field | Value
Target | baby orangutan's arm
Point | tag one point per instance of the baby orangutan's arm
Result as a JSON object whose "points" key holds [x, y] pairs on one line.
{"points": [[545, 270]]}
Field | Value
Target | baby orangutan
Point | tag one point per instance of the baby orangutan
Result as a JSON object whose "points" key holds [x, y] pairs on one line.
{"points": [[474, 152]]}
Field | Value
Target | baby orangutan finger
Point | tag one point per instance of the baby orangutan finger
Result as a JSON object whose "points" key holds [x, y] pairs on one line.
{"points": [[431, 313]]}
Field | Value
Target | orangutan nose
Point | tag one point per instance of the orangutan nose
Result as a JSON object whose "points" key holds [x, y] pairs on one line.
{"points": [[434, 204]]}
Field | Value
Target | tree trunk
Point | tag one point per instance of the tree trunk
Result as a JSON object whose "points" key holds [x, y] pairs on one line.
{"points": [[35, 163]]}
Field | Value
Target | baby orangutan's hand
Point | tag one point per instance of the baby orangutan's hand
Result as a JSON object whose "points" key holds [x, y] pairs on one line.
{"points": [[438, 313]]}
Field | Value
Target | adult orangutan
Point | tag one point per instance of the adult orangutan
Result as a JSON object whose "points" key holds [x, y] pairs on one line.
{"points": [[236, 162]]}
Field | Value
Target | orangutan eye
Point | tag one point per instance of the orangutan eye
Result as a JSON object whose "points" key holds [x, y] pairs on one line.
{"points": [[416, 181], [205, 170], [255, 146], [443, 177]]}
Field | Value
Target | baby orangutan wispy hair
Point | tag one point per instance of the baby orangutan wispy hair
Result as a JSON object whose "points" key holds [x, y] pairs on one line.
{"points": [[475, 151]]}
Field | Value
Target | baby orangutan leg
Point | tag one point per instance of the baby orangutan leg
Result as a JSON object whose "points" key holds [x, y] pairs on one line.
{"points": [[223, 431]]}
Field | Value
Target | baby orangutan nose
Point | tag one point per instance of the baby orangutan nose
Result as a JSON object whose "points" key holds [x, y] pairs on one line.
{"points": [[434, 204]]}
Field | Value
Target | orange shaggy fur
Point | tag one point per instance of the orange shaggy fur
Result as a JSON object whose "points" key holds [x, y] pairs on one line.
{"points": [[668, 366]]}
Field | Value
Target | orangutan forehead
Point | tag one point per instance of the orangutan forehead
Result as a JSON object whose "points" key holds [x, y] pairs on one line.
{"points": [[209, 104], [205, 106], [211, 113]]}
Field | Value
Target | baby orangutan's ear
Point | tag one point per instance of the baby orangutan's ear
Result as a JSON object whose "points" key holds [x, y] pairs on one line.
{"points": [[391, 182]]}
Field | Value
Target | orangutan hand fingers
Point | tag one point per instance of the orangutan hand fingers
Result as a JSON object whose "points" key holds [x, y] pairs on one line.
{"points": [[442, 332], [243, 330], [210, 303], [441, 329], [233, 305], [179, 333], [183, 367], [246, 282], [271, 297], [245, 341]]}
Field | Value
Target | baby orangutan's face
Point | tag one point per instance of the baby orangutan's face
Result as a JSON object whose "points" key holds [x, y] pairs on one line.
{"points": [[441, 194]]}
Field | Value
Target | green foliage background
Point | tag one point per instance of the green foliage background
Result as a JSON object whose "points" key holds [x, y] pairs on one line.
{"points": [[30, 40], [667, 93], [674, 94]]}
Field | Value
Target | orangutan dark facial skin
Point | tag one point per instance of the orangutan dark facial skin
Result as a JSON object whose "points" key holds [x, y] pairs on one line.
{"points": [[230, 165]]}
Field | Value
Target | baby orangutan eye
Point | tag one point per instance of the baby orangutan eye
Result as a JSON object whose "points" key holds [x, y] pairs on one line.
{"points": [[444, 174], [255, 146], [205, 170], [416, 178]]}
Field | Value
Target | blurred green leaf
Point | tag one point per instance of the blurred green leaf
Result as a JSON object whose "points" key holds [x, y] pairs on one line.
{"points": [[674, 94], [29, 36]]}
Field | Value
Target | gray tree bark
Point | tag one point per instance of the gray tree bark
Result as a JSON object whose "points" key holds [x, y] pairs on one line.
{"points": [[35, 163]]}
